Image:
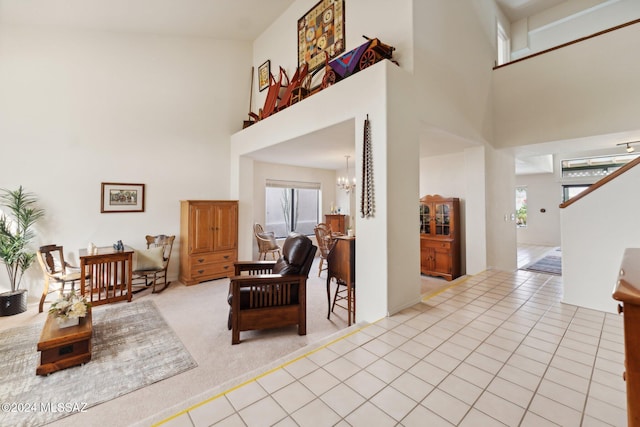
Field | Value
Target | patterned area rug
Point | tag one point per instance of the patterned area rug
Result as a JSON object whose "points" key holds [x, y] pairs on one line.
{"points": [[550, 264], [132, 347]]}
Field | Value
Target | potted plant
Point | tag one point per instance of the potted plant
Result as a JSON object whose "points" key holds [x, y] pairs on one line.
{"points": [[18, 214]]}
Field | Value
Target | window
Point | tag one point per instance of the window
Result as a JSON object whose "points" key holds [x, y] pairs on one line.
{"points": [[291, 206], [521, 206], [504, 46], [594, 166], [569, 191]]}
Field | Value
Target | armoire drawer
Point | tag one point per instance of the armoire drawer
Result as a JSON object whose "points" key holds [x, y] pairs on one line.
{"points": [[214, 269], [211, 258]]}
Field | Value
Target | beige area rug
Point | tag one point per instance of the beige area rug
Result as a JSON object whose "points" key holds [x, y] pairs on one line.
{"points": [[198, 315], [132, 347]]}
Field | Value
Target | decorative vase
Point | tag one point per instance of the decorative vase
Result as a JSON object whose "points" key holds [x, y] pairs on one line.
{"points": [[13, 302], [66, 323]]}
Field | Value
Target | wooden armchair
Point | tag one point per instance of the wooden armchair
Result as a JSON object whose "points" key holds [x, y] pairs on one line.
{"points": [[55, 269], [325, 239], [271, 294], [266, 243]]}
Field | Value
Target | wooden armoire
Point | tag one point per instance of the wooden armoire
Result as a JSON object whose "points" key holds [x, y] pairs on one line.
{"points": [[208, 239], [440, 236]]}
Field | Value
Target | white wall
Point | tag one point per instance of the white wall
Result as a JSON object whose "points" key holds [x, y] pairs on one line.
{"points": [[592, 87], [454, 55], [443, 175], [569, 21], [78, 108], [501, 228], [595, 232], [401, 170], [543, 192], [475, 210]]}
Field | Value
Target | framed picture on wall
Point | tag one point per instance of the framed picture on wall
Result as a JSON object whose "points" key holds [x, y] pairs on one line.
{"points": [[264, 72], [321, 30], [118, 197]]}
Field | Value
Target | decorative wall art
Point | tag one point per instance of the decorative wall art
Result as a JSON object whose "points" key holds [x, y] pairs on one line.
{"points": [[367, 201], [122, 197], [321, 29], [263, 75]]}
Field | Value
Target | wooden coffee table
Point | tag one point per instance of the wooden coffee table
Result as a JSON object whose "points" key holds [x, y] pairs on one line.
{"points": [[66, 347]]}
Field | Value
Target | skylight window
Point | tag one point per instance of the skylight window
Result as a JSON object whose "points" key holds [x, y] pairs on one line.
{"points": [[595, 166]]}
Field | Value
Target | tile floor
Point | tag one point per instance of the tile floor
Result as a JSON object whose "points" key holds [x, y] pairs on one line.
{"points": [[498, 349]]}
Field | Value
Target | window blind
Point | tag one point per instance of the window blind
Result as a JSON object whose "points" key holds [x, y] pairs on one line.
{"points": [[276, 183]]}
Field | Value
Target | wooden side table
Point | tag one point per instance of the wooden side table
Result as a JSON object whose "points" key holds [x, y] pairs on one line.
{"points": [[110, 273], [66, 347]]}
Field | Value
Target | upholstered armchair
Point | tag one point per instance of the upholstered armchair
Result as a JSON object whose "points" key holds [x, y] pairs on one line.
{"points": [[271, 294]]}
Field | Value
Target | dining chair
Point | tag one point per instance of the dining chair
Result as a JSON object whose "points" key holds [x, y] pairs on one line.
{"points": [[55, 269], [324, 236], [266, 243]]}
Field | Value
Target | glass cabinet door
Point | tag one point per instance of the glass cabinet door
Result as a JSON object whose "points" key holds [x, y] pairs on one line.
{"points": [[442, 219], [425, 218]]}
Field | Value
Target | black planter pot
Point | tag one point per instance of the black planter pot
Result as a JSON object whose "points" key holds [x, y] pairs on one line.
{"points": [[13, 302]]}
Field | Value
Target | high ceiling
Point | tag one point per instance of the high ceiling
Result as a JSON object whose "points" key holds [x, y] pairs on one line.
{"points": [[222, 19], [518, 9], [226, 19]]}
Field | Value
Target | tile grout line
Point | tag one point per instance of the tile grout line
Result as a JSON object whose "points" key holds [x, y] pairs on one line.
{"points": [[535, 392], [533, 294], [502, 281]]}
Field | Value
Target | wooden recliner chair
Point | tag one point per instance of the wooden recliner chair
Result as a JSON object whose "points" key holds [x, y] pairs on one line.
{"points": [[271, 294]]}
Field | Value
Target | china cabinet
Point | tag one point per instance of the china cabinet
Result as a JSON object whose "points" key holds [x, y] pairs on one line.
{"points": [[440, 236]]}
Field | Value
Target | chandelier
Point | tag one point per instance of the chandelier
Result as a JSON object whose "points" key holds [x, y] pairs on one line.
{"points": [[344, 183]]}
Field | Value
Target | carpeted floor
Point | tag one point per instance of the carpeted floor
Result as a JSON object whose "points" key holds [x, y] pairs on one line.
{"points": [[550, 264], [132, 347]]}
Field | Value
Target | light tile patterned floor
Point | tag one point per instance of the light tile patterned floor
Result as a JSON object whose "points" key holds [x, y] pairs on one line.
{"points": [[498, 349]]}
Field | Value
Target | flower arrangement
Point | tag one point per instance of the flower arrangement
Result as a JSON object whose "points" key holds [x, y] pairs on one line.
{"points": [[69, 306]]}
